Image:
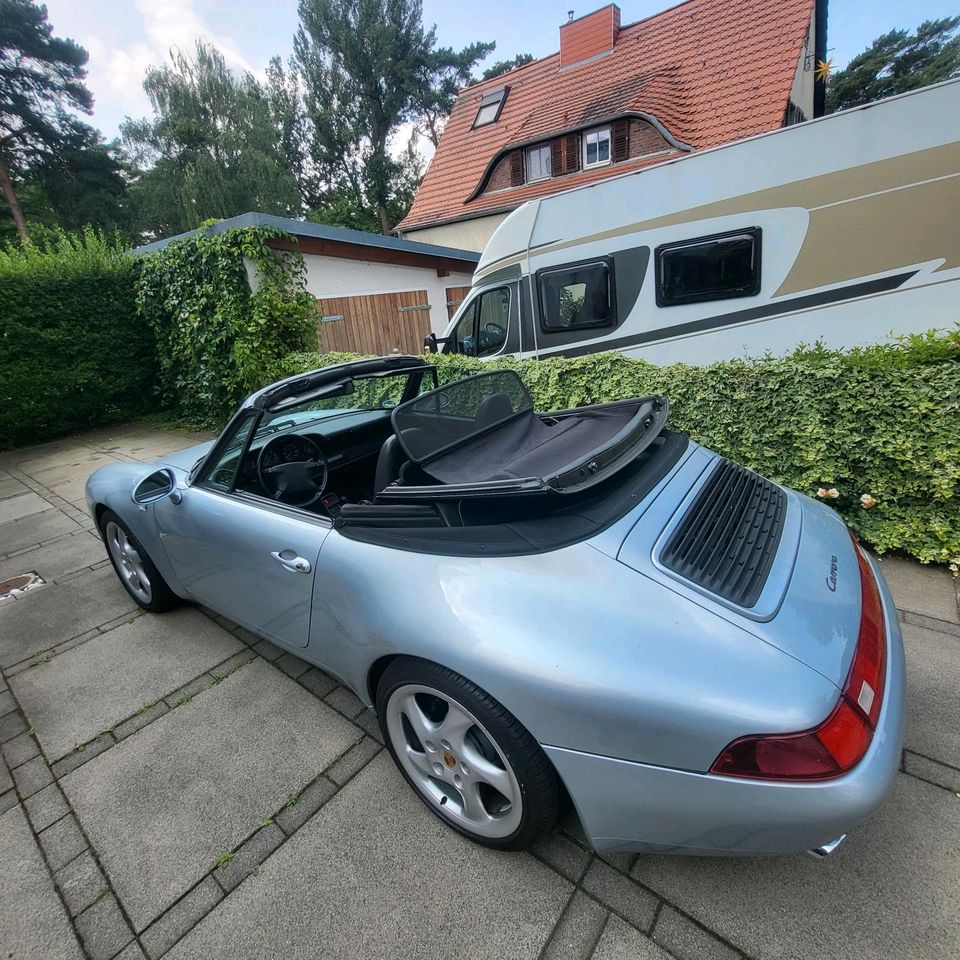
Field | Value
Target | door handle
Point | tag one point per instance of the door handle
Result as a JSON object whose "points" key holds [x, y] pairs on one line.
{"points": [[293, 564]]}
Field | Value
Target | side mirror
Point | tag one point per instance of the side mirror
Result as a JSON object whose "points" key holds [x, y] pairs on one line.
{"points": [[160, 484], [430, 342]]}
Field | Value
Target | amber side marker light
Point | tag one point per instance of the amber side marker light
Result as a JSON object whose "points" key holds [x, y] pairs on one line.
{"points": [[836, 745]]}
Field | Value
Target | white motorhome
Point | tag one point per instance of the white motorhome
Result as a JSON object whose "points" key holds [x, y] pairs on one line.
{"points": [[844, 229]]}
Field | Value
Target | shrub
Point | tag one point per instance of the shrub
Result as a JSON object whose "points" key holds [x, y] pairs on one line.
{"points": [[880, 421], [72, 352], [218, 336]]}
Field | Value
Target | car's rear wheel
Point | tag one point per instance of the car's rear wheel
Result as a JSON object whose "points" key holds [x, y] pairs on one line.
{"points": [[470, 761], [133, 566]]}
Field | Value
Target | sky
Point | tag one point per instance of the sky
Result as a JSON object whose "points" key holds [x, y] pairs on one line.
{"points": [[124, 37]]}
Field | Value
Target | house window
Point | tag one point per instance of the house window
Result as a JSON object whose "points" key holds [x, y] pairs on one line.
{"points": [[596, 147], [576, 296], [490, 107], [538, 162], [709, 268]]}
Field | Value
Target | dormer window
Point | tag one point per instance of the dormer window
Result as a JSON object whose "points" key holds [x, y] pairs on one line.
{"points": [[538, 162], [596, 147], [490, 107]]}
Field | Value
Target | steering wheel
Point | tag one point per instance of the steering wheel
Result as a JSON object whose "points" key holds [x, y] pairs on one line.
{"points": [[494, 329], [297, 483]]}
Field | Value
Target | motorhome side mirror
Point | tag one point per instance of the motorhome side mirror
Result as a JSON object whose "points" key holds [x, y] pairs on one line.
{"points": [[158, 485], [430, 342]]}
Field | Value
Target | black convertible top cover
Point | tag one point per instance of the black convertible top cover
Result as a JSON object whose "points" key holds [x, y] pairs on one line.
{"points": [[483, 429]]}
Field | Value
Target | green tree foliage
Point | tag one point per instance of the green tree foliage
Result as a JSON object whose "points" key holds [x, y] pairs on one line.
{"points": [[897, 62], [218, 338], [74, 354], [368, 66], [505, 66], [211, 150], [41, 80]]}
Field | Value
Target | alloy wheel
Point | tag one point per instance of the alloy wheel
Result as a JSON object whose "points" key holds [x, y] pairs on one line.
{"points": [[453, 761], [128, 562]]}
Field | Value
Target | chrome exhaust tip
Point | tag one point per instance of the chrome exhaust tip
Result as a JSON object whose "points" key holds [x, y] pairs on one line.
{"points": [[824, 851]]}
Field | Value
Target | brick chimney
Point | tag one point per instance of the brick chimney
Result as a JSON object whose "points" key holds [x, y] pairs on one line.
{"points": [[589, 36]]}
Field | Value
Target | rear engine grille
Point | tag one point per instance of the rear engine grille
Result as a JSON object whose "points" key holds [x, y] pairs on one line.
{"points": [[728, 538]]}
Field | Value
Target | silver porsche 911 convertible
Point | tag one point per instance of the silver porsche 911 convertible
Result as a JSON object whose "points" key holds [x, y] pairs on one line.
{"points": [[580, 600]]}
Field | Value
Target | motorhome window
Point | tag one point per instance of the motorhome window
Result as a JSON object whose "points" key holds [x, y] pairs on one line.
{"points": [[709, 268], [576, 297], [482, 329], [490, 107], [596, 147], [538, 162]]}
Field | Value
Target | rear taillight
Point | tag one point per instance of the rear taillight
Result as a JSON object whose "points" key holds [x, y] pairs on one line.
{"points": [[837, 744]]}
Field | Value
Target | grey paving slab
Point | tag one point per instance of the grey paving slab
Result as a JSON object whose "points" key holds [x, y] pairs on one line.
{"points": [[926, 769], [103, 929], [933, 694], [620, 893], [684, 939], [62, 842], [163, 934], [382, 877], [53, 614], [11, 487], [16, 508], [46, 807], [620, 941], [73, 491], [563, 855], [921, 588], [80, 693], [56, 559], [6, 780], [81, 882], [19, 750], [160, 806], [578, 931], [36, 528], [890, 891], [33, 923], [73, 467]]}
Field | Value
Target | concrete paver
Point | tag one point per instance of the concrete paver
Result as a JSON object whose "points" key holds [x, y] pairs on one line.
{"points": [[56, 559], [161, 805], [82, 692], [890, 891], [16, 508], [53, 614], [34, 529], [921, 589], [933, 694], [620, 941], [33, 923], [10, 486], [374, 874]]}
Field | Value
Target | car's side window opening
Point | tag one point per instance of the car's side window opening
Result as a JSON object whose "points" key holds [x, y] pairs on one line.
{"points": [[221, 472], [482, 329], [577, 296], [709, 268]]}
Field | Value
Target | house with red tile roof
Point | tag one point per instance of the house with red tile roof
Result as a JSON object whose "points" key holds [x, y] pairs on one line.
{"points": [[616, 98]]}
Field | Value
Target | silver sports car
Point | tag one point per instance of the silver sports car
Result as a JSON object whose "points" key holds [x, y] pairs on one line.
{"points": [[580, 600]]}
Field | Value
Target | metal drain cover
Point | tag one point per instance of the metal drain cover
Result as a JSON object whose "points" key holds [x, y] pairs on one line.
{"points": [[20, 584]]}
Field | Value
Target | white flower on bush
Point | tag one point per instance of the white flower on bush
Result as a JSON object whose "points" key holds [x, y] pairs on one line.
{"points": [[867, 501], [828, 494]]}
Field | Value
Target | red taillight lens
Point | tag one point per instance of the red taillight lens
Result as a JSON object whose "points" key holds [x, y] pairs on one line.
{"points": [[838, 744]]}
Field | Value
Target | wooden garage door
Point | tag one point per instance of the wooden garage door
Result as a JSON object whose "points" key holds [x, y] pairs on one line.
{"points": [[455, 296], [376, 324]]}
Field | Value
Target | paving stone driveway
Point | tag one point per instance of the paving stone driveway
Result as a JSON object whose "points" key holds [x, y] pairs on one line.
{"points": [[172, 785]]}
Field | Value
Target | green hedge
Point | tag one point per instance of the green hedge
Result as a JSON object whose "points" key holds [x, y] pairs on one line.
{"points": [[883, 421], [217, 338], [72, 352]]}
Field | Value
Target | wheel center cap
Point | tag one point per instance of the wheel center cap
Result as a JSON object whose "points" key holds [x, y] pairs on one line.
{"points": [[449, 759]]}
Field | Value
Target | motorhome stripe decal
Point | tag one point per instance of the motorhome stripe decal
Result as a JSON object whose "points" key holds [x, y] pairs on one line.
{"points": [[705, 324]]}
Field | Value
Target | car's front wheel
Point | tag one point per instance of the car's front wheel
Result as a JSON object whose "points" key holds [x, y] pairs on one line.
{"points": [[133, 566], [470, 761]]}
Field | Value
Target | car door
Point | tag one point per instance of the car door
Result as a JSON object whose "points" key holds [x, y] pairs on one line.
{"points": [[250, 561]]}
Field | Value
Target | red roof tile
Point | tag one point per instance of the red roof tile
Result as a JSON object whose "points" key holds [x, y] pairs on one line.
{"points": [[711, 71]]}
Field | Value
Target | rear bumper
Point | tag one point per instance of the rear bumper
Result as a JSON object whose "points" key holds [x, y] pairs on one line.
{"points": [[630, 806]]}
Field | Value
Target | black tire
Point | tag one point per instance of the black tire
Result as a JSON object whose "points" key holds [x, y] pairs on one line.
{"points": [[539, 787], [162, 598]]}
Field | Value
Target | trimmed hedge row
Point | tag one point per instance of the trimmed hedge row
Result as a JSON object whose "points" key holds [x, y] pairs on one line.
{"points": [[880, 423], [72, 353]]}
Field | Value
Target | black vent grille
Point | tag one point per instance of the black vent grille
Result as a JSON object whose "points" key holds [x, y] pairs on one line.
{"points": [[728, 538]]}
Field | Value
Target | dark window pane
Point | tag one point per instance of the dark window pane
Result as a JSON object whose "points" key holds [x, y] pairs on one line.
{"points": [[713, 268], [576, 297]]}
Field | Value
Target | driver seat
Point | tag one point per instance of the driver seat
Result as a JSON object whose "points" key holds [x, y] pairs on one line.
{"points": [[391, 459]]}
